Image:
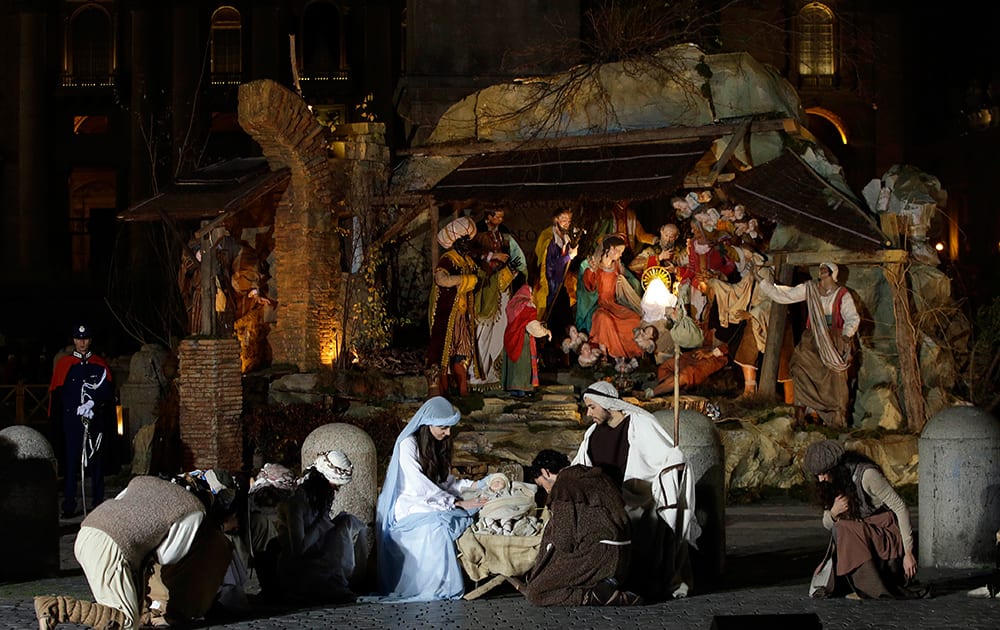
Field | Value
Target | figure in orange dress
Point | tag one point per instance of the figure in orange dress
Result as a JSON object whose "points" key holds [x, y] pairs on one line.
{"points": [[617, 311]]}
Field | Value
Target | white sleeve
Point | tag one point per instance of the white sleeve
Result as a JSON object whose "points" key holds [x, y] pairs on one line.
{"points": [[582, 457], [783, 294], [417, 493], [179, 539], [849, 312], [454, 486]]}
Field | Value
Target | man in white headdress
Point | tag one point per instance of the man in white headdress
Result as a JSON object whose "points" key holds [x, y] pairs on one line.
{"points": [[819, 363], [639, 455]]}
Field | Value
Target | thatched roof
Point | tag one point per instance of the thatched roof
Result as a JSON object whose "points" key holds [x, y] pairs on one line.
{"points": [[786, 190], [607, 172]]}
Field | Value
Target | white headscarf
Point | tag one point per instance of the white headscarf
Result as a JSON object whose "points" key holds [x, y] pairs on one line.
{"points": [[604, 394], [335, 466], [832, 268], [436, 412], [273, 476]]}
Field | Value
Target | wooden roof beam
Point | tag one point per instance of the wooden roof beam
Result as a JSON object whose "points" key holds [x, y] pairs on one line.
{"points": [[638, 136], [844, 257]]}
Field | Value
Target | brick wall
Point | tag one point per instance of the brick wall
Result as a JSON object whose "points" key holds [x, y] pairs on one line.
{"points": [[211, 402], [306, 243]]}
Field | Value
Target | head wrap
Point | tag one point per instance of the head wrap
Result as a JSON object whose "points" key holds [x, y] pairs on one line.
{"points": [[462, 226], [710, 218], [604, 394], [436, 412], [821, 457], [273, 476], [335, 466], [832, 268]]}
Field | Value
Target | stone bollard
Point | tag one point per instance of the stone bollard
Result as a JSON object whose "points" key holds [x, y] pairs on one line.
{"points": [[959, 488], [359, 496], [702, 447], [29, 505]]}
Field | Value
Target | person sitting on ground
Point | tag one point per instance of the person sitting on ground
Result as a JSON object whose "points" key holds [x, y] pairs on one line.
{"points": [[873, 541], [585, 549], [420, 511], [302, 554], [694, 368]]}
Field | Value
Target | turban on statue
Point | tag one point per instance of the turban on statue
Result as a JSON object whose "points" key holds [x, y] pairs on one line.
{"points": [[462, 226]]}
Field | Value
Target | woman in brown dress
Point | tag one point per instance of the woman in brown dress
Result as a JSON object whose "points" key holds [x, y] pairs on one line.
{"points": [[873, 540]]}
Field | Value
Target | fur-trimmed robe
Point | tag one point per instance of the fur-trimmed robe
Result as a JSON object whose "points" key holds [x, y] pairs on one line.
{"points": [[586, 509]]}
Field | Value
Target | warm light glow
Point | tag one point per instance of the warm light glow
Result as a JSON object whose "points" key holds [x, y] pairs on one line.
{"points": [[656, 300], [331, 349], [939, 247], [832, 118], [120, 414]]}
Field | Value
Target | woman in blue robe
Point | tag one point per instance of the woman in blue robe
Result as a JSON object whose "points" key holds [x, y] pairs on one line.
{"points": [[421, 513]]}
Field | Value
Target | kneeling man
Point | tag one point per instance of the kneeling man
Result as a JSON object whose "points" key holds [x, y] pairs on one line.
{"points": [[585, 547]]}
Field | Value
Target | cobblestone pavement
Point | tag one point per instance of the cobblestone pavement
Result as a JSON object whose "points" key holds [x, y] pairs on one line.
{"points": [[771, 550]]}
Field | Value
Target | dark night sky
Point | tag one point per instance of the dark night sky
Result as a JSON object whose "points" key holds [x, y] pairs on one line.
{"points": [[946, 54]]}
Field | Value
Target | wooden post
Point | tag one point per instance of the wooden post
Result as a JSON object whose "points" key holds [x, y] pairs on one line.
{"points": [[768, 376], [909, 365], [19, 403], [677, 395], [433, 213], [209, 270]]}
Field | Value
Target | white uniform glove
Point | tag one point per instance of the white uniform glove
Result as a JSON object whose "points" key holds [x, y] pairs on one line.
{"points": [[86, 410]]}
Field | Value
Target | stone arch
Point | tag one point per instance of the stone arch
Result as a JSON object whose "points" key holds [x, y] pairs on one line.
{"points": [[306, 243], [833, 119]]}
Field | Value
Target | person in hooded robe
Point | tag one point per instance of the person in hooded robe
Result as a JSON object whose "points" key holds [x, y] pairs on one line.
{"points": [[586, 546], [421, 512]]}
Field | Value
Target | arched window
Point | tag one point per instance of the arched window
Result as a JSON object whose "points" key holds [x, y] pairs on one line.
{"points": [[89, 47], [324, 54], [816, 44], [227, 48]]}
